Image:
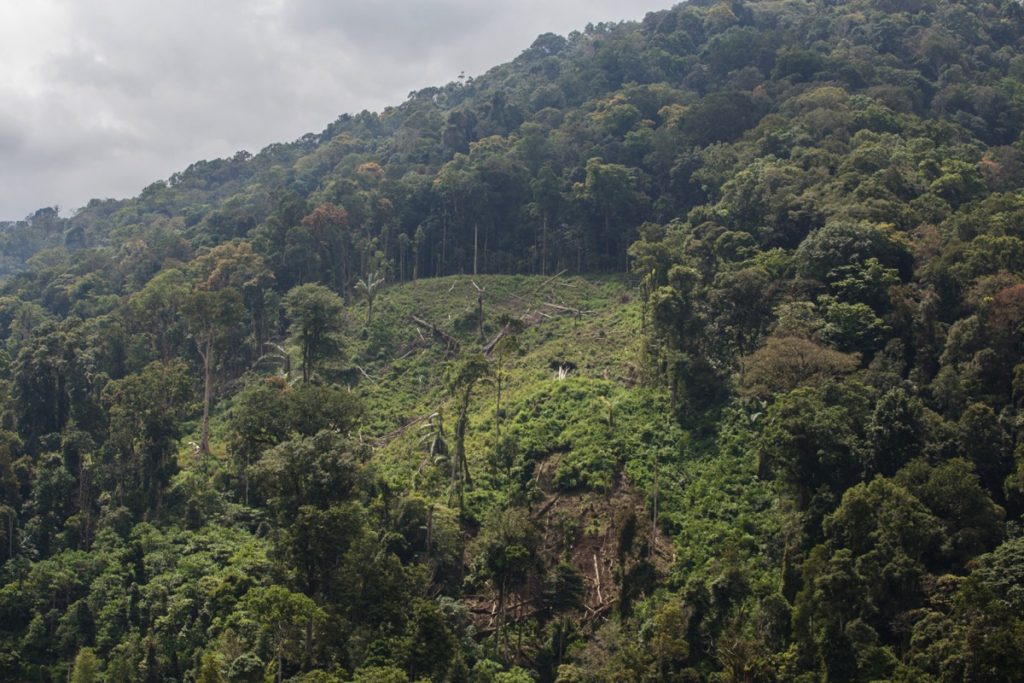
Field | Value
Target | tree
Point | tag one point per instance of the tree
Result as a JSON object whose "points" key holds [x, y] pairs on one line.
{"points": [[612, 192], [896, 430], [157, 310], [212, 316], [952, 491], [827, 253], [434, 438], [314, 470], [814, 438], [506, 344], [228, 280], [236, 266], [288, 622], [315, 313], [668, 639], [853, 327], [368, 287], [328, 227], [548, 198], [461, 382], [86, 668], [258, 420], [10, 492], [507, 554], [316, 544], [677, 333], [432, 647], [268, 413], [49, 384], [743, 300], [145, 411], [312, 408], [785, 363], [879, 545], [210, 669], [984, 441]]}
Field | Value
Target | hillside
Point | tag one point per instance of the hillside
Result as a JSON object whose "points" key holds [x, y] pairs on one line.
{"points": [[687, 349]]}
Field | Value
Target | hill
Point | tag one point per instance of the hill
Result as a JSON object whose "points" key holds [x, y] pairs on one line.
{"points": [[685, 349]]}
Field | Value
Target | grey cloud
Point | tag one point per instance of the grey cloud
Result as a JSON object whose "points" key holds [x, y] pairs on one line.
{"points": [[392, 28], [11, 136]]}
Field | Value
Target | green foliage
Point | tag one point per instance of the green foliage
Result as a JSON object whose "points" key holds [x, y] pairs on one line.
{"points": [[785, 363], [145, 412], [284, 622], [824, 252], [786, 447], [86, 667], [380, 674], [814, 440], [310, 470], [952, 492], [595, 427], [315, 314]]}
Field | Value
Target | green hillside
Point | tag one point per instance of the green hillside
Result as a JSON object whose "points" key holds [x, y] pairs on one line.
{"points": [[689, 349]]}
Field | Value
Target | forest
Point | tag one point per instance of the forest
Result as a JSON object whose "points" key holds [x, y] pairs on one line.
{"points": [[688, 349]]}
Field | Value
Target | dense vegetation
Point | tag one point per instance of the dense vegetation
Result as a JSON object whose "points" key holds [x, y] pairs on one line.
{"points": [[384, 403]]}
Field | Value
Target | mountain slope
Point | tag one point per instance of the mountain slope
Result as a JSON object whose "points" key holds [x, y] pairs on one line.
{"points": [[685, 349]]}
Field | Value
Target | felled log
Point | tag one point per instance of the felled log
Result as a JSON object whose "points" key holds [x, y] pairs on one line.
{"points": [[451, 343]]}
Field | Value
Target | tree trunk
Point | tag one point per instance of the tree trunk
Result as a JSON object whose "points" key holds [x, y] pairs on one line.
{"points": [[497, 407], [479, 313], [444, 239], [309, 645], [245, 480], [544, 248], [654, 506], [430, 528], [501, 615], [460, 468], [307, 360], [207, 355], [258, 323], [461, 445]]}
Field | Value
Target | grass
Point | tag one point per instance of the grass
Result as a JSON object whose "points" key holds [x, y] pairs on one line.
{"points": [[599, 421], [401, 372]]}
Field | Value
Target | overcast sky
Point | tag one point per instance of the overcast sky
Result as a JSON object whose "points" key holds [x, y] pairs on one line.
{"points": [[99, 98]]}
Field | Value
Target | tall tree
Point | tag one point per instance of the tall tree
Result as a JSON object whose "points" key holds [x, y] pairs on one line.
{"points": [[234, 265], [156, 310], [212, 316], [461, 383], [145, 410], [612, 192], [328, 227], [86, 667], [508, 343], [289, 622], [507, 551], [367, 286], [315, 313]]}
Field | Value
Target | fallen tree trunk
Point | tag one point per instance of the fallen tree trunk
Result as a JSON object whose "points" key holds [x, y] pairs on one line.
{"points": [[489, 346], [451, 343]]}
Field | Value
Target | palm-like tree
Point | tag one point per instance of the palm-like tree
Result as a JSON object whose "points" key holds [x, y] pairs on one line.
{"points": [[368, 288]]}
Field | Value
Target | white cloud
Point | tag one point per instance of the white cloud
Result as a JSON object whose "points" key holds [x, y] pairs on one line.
{"points": [[100, 98]]}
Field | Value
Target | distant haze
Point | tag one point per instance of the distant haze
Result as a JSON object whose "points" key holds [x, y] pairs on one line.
{"points": [[101, 98]]}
